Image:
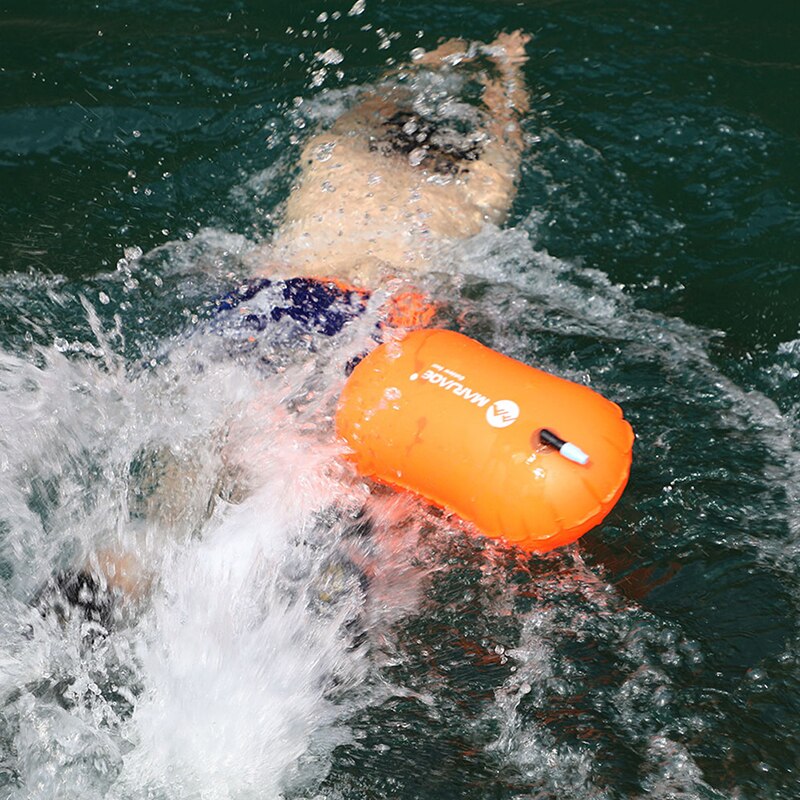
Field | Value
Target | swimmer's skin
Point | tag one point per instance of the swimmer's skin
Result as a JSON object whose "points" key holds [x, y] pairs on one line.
{"points": [[362, 212], [385, 212]]}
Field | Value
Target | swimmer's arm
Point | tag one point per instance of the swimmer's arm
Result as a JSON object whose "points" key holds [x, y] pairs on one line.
{"points": [[506, 96], [449, 53], [502, 97], [490, 184], [377, 107]]}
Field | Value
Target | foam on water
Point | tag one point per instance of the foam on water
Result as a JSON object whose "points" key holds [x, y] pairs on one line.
{"points": [[230, 680], [239, 659]]}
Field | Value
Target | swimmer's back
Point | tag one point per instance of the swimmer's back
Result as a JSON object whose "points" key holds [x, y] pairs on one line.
{"points": [[365, 194]]}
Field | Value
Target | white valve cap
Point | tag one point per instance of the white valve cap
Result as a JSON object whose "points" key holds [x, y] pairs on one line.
{"points": [[574, 453]]}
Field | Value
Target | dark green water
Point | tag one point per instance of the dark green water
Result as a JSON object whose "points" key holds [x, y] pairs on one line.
{"points": [[652, 251]]}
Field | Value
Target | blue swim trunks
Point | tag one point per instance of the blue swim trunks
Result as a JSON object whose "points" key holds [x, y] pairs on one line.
{"points": [[273, 318], [321, 306]]}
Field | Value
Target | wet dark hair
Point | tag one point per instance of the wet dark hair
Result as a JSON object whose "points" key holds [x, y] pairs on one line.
{"points": [[445, 149]]}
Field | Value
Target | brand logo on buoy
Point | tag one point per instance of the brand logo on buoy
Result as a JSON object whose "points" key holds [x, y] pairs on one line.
{"points": [[451, 381], [502, 413]]}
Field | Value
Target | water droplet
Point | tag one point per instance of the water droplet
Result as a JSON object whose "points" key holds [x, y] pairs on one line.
{"points": [[416, 156], [357, 8], [330, 56], [324, 151]]}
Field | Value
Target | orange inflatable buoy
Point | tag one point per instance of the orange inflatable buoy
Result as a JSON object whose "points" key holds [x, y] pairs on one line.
{"points": [[527, 457]]}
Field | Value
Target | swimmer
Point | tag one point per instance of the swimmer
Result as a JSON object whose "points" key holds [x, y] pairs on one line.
{"points": [[377, 194]]}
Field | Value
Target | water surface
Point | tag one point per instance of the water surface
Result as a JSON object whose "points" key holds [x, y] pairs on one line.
{"points": [[295, 644]]}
